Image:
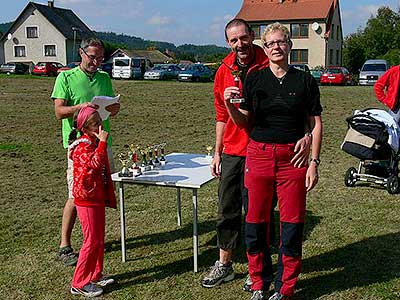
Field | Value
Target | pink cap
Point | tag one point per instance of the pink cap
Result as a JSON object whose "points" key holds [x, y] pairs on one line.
{"points": [[83, 115]]}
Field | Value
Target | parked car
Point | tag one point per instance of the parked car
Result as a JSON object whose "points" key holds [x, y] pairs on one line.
{"points": [[68, 67], [14, 68], [163, 72], [195, 72], [317, 75], [46, 68], [371, 70], [337, 76], [301, 67], [107, 67]]}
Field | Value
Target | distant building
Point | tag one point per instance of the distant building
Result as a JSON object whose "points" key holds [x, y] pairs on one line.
{"points": [[44, 33], [1, 50], [315, 27], [154, 56]]}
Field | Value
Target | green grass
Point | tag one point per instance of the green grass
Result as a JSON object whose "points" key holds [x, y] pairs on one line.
{"points": [[352, 239]]}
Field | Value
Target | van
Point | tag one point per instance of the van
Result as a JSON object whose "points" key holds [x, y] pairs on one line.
{"points": [[371, 70], [130, 67]]}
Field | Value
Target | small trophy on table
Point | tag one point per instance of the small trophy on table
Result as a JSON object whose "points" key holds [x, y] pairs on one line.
{"points": [[124, 158], [237, 98], [162, 158], [134, 159], [156, 161], [144, 164], [209, 149], [150, 161]]}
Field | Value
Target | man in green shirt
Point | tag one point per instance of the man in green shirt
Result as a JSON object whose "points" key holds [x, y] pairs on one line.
{"points": [[73, 90]]}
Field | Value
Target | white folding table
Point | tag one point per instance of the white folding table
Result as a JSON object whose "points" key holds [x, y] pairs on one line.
{"points": [[183, 170]]}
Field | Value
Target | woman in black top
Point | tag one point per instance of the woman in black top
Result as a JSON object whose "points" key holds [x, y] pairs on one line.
{"points": [[282, 105]]}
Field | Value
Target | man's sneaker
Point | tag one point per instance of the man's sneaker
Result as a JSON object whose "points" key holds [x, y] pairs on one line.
{"points": [[259, 295], [67, 256], [279, 296], [89, 290], [218, 273], [104, 281], [247, 284]]}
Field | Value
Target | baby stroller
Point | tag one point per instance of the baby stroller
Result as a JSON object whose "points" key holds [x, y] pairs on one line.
{"points": [[373, 137]]}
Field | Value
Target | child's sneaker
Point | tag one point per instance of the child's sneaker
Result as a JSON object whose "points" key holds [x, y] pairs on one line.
{"points": [[67, 256], [104, 281], [89, 290]]}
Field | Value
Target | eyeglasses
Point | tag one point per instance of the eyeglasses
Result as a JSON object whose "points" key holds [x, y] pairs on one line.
{"points": [[92, 57], [279, 43]]}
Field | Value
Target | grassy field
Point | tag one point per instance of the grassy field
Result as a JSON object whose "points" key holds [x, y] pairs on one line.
{"points": [[351, 248]]}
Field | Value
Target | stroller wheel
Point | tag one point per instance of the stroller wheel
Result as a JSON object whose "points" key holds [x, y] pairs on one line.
{"points": [[350, 177], [393, 184]]}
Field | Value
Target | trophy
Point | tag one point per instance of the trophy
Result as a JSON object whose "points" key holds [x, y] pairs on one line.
{"points": [[162, 158], [209, 148], [150, 161], [156, 161], [124, 158], [236, 98], [144, 164], [134, 159]]}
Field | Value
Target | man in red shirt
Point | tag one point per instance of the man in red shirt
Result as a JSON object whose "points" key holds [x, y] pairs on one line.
{"points": [[231, 145]]}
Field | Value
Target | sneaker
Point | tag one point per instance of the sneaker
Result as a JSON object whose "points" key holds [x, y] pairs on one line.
{"points": [[218, 273], [259, 295], [89, 290], [247, 284], [104, 281], [279, 296], [67, 256]]}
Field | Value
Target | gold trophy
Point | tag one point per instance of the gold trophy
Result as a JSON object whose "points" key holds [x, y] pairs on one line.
{"points": [[209, 148], [124, 158], [236, 98]]}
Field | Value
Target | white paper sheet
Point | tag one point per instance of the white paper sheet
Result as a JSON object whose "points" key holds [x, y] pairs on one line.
{"points": [[103, 102]]}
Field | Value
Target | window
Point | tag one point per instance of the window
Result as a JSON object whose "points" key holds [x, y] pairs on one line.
{"points": [[256, 30], [338, 58], [19, 51], [299, 30], [262, 29], [337, 32], [32, 32], [330, 56], [299, 56], [50, 50], [332, 31]]}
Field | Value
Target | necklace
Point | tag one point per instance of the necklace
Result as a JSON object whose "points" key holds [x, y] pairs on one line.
{"points": [[281, 79]]}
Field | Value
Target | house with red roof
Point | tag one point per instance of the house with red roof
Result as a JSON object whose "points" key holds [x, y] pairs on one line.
{"points": [[315, 27]]}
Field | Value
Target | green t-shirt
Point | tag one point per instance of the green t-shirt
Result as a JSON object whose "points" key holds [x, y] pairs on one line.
{"points": [[75, 87]]}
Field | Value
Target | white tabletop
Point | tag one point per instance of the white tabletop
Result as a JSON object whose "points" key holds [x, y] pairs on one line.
{"points": [[182, 170]]}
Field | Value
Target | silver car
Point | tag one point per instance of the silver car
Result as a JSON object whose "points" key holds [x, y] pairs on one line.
{"points": [[371, 70], [163, 72]]}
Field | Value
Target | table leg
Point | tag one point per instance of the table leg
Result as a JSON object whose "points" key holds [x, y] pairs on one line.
{"points": [[178, 206], [195, 233], [122, 219]]}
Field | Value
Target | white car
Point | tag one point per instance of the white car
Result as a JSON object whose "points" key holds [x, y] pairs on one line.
{"points": [[163, 72]]}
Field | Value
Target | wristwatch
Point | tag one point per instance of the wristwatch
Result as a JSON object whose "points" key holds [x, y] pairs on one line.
{"points": [[316, 160]]}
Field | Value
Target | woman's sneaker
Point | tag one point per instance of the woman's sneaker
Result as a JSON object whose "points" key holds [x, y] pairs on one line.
{"points": [[104, 281], [89, 290], [247, 284], [218, 273], [67, 256]]}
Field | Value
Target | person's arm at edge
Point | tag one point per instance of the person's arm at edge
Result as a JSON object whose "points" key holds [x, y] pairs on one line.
{"points": [[312, 171], [219, 147]]}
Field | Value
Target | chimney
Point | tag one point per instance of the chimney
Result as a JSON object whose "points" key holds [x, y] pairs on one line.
{"points": [[50, 3]]}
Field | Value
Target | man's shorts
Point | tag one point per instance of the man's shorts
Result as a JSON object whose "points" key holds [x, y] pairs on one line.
{"points": [[70, 170]]}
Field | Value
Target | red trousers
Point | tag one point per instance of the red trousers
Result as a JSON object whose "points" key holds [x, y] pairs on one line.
{"points": [[91, 256], [268, 168]]}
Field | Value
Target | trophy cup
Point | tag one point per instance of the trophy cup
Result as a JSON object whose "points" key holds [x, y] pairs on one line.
{"points": [[156, 161], [209, 148], [124, 159], [144, 164], [134, 159], [236, 98], [162, 158], [150, 161]]}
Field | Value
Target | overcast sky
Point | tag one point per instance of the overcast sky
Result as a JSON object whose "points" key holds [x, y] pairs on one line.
{"points": [[179, 21]]}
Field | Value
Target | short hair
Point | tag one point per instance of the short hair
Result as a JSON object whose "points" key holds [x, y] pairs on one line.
{"points": [[276, 27], [237, 22], [92, 42]]}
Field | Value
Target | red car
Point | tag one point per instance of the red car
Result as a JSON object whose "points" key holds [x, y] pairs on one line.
{"points": [[337, 76], [47, 68]]}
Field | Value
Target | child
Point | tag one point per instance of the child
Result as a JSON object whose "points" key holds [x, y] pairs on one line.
{"points": [[92, 191]]}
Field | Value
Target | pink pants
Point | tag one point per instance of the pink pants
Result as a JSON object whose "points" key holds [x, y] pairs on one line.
{"points": [[268, 168], [90, 263]]}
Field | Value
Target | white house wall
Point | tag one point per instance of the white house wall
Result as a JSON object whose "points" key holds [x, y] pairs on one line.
{"points": [[34, 47]]}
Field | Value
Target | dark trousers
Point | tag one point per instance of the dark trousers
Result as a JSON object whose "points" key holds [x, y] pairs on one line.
{"points": [[232, 196]]}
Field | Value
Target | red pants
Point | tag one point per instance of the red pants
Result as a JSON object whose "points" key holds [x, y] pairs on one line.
{"points": [[90, 263], [268, 168]]}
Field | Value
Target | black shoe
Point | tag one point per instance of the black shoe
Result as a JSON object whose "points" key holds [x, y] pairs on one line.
{"points": [[67, 256]]}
